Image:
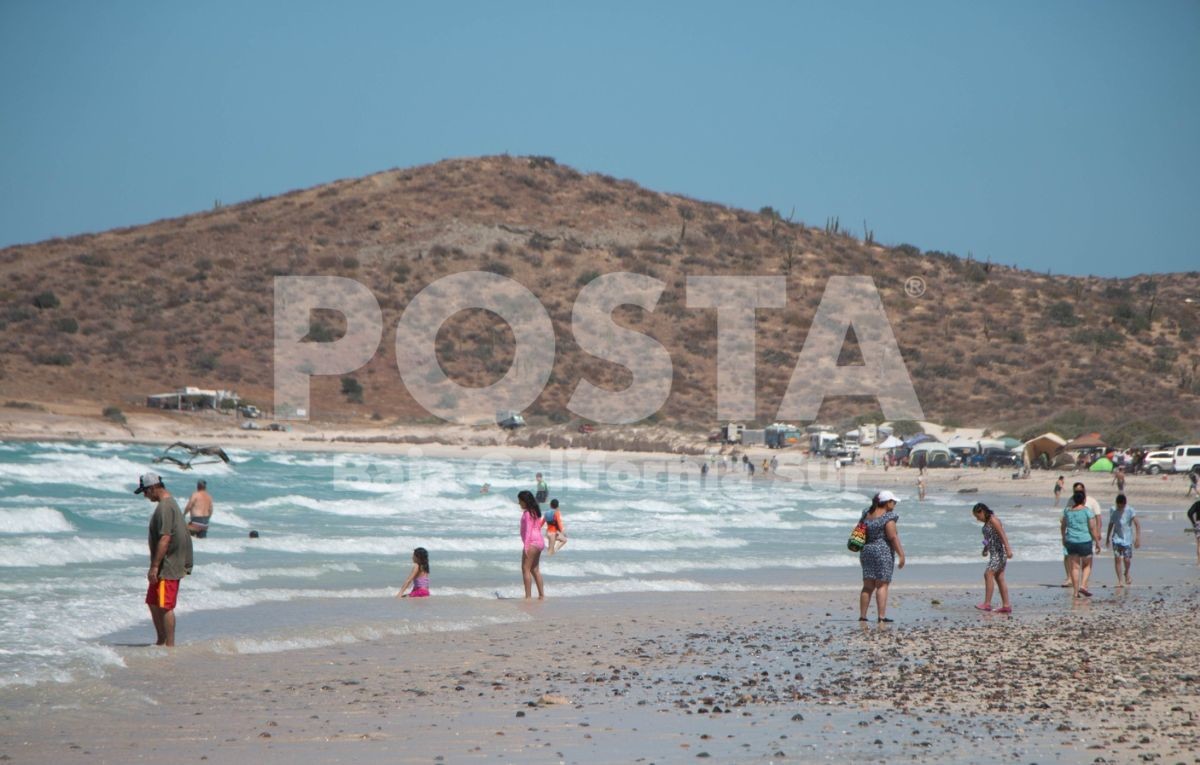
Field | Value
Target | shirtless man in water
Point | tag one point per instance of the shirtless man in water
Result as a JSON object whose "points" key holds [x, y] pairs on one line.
{"points": [[200, 508]]}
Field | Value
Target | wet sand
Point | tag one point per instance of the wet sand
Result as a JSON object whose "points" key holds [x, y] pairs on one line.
{"points": [[657, 677]]}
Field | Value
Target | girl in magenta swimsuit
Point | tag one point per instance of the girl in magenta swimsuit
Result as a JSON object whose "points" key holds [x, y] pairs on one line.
{"points": [[531, 542], [419, 577]]}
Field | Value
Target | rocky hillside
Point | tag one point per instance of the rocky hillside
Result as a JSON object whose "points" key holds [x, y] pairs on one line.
{"points": [[110, 317]]}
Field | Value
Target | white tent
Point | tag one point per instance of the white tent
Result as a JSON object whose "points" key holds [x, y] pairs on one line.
{"points": [[891, 442]]}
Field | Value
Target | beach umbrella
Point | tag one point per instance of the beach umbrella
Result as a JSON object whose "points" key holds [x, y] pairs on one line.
{"points": [[1102, 465], [1086, 441], [891, 442]]}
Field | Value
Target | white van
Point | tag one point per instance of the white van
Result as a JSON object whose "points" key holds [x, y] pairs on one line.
{"points": [[1186, 459]]}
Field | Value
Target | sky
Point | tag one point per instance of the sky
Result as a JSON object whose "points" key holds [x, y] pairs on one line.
{"points": [[1056, 136]]}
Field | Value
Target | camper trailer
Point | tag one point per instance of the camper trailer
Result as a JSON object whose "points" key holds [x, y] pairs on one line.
{"points": [[781, 436], [821, 441], [754, 437]]}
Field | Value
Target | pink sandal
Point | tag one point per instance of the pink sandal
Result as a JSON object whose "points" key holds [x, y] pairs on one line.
{"points": [[1004, 610], [984, 606]]}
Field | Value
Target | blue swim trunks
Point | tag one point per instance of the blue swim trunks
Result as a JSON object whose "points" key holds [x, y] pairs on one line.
{"points": [[1122, 551]]}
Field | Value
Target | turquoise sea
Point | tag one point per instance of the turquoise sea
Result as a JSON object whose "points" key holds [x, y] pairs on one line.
{"points": [[337, 532]]}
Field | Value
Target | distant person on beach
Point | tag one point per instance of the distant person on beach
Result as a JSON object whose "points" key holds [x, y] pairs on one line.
{"points": [[878, 555], [921, 484], [774, 464], [543, 490], [532, 543], [200, 508], [1119, 479], [1058, 490], [418, 577], [1122, 538], [1194, 486], [998, 552], [1193, 515], [1094, 506], [485, 489], [170, 556], [556, 529], [1080, 529]]}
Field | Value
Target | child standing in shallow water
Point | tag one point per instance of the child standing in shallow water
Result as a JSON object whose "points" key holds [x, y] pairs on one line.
{"points": [[556, 529], [418, 577], [998, 552]]}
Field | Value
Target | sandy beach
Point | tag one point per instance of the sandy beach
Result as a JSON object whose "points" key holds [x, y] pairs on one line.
{"points": [[735, 677]]}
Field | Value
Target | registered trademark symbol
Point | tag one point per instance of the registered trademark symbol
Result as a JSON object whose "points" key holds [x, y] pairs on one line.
{"points": [[914, 286]]}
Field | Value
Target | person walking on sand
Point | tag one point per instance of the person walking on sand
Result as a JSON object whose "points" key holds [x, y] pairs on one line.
{"points": [[878, 555], [1119, 479], [1094, 506], [542, 489], [999, 553], [1193, 515], [1080, 530], [200, 508], [921, 483], [418, 577], [170, 556], [1194, 480], [1058, 490], [532, 543], [1121, 539]]}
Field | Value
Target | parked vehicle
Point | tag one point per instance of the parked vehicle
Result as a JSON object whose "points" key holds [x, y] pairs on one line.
{"points": [[1158, 462], [250, 411], [993, 457], [509, 420], [727, 434], [1186, 459]]}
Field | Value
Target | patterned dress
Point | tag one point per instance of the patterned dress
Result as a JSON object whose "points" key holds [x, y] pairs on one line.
{"points": [[997, 559], [877, 557]]}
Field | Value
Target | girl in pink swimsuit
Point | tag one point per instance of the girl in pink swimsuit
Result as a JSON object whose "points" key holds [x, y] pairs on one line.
{"points": [[532, 543], [418, 577]]}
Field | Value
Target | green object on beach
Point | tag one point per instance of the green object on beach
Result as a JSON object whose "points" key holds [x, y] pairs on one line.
{"points": [[1102, 465]]}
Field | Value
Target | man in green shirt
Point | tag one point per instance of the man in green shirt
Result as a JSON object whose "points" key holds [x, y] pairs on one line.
{"points": [[170, 556]]}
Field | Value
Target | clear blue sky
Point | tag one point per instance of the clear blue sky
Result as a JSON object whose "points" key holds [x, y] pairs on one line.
{"points": [[1053, 135]]}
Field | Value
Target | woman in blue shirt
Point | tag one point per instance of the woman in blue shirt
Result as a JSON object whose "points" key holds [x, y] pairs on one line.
{"points": [[1080, 534]]}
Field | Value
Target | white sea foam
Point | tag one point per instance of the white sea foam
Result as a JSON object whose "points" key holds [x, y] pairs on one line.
{"points": [[111, 474], [360, 633], [33, 520], [44, 551]]}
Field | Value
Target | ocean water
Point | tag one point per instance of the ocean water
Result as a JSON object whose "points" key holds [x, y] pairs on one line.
{"points": [[337, 533]]}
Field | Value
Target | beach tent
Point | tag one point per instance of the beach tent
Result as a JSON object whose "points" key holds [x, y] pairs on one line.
{"points": [[934, 454], [1086, 441], [912, 441], [1048, 444], [1102, 465], [962, 442], [891, 442], [991, 443], [1010, 442]]}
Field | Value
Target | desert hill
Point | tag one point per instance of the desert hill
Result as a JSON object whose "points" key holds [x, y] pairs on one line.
{"points": [[113, 316]]}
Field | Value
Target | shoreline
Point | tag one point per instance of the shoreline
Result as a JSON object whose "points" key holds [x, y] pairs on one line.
{"points": [[446, 441]]}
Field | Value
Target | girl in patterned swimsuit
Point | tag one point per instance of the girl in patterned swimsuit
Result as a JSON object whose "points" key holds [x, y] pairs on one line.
{"points": [[418, 577], [998, 551]]}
